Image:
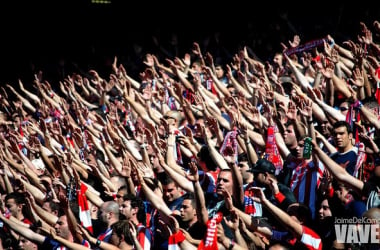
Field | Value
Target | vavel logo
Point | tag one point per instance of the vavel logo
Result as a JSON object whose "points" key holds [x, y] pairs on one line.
{"points": [[357, 230]]}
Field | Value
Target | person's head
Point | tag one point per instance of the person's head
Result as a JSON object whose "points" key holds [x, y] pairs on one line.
{"points": [[121, 233], [51, 207], [373, 216], [324, 127], [170, 189], [25, 244], [290, 137], [341, 191], [196, 66], [15, 203], [344, 108], [262, 170], [120, 193], [205, 160], [109, 212], [188, 210], [173, 118], [280, 246], [62, 227], [224, 182], [220, 73], [324, 209], [342, 134], [244, 167], [278, 60], [118, 181], [300, 146], [300, 212], [133, 209]]}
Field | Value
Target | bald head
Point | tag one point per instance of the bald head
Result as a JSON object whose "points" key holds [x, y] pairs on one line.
{"points": [[372, 213]]}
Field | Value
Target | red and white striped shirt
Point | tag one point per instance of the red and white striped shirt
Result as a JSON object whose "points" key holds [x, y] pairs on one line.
{"points": [[144, 236], [305, 182]]}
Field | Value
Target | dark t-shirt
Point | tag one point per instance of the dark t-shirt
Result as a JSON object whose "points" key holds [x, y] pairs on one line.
{"points": [[197, 231], [349, 156]]}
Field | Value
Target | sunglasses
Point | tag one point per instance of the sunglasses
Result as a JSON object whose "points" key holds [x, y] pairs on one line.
{"points": [[343, 108]]}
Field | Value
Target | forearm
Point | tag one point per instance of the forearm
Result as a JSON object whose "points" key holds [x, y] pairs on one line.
{"points": [[256, 138], [180, 179], [156, 201], [95, 199], [112, 159], [284, 218], [70, 244], [200, 202], [330, 111], [216, 156], [49, 218]]}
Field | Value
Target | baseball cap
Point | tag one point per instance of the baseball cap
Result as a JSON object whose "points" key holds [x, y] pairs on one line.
{"points": [[263, 166]]}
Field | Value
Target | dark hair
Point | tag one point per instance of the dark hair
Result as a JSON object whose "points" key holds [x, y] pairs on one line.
{"points": [[167, 180], [204, 155], [301, 211], [339, 124], [137, 202], [120, 228], [18, 197], [191, 197]]}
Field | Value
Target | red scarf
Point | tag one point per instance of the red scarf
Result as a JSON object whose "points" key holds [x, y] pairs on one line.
{"points": [[210, 242], [377, 94], [84, 210], [272, 153], [230, 143]]}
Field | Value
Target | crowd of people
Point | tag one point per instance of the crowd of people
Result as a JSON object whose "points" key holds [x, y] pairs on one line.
{"points": [[197, 152]]}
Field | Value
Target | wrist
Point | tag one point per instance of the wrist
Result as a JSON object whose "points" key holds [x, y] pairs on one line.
{"points": [[231, 245], [97, 243]]}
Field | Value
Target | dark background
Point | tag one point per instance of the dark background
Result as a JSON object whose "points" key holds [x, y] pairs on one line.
{"points": [[62, 37]]}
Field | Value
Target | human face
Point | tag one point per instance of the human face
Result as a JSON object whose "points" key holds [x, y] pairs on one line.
{"points": [[62, 227], [126, 209], [171, 192], [344, 108], [219, 72], [277, 59], [119, 196], [115, 239], [324, 211], [299, 149], [224, 182], [290, 138], [46, 207], [324, 128], [187, 211], [291, 211], [260, 178], [13, 207], [104, 215], [243, 166], [26, 244], [341, 193], [342, 139]]}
